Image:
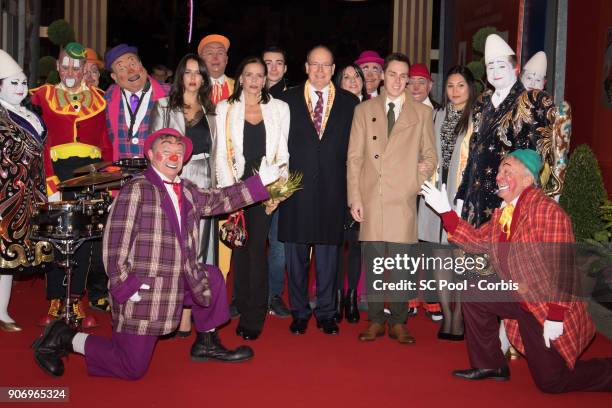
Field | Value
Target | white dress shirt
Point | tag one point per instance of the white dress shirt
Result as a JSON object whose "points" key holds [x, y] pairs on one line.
{"points": [[173, 195], [397, 109], [218, 81], [314, 98], [142, 110]]}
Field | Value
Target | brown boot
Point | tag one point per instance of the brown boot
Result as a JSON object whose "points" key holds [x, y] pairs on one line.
{"points": [[373, 331], [398, 332]]}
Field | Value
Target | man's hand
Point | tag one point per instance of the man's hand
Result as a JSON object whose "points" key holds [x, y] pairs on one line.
{"points": [[357, 212], [268, 173], [552, 331], [436, 199], [136, 296]]}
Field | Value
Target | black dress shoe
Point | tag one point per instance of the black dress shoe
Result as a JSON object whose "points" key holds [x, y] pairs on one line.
{"points": [[339, 306], [278, 307], [298, 326], [351, 311], [497, 374], [55, 342], [449, 336], [247, 334], [208, 346], [328, 326]]}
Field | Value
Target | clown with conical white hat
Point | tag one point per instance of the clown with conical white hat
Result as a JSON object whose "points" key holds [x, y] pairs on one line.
{"points": [[533, 75]]}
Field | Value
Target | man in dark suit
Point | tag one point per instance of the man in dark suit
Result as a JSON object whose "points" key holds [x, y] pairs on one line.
{"points": [[312, 218]]}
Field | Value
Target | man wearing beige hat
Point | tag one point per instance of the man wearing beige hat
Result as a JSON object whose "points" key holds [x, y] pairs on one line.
{"points": [[213, 51], [534, 72]]}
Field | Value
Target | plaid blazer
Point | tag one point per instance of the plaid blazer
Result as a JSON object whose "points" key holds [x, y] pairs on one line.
{"points": [[117, 127], [143, 243], [538, 221]]}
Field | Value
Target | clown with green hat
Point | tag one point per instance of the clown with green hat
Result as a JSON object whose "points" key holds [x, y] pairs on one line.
{"points": [[74, 114]]}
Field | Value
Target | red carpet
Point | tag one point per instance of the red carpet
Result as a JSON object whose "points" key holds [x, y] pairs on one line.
{"points": [[288, 371]]}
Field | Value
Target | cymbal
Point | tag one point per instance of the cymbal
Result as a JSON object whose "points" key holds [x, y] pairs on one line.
{"points": [[91, 168], [91, 180]]}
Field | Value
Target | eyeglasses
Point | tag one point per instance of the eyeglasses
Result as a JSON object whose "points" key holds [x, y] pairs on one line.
{"points": [[318, 66], [421, 82], [376, 70]]}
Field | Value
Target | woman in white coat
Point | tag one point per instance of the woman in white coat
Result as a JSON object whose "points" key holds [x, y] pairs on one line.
{"points": [[453, 128], [252, 126]]}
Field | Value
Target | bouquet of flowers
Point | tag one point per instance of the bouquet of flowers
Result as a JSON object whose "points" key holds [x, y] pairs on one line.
{"points": [[282, 189]]}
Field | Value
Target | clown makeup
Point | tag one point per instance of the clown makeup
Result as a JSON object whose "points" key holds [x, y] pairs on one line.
{"points": [[167, 155], [501, 73], [531, 80], [129, 73], [14, 89], [71, 71], [419, 88], [92, 74], [512, 178], [373, 73]]}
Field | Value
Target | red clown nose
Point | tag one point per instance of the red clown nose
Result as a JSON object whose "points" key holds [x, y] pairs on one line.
{"points": [[174, 157]]}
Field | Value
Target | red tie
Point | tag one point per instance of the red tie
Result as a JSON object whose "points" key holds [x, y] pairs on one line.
{"points": [[318, 113], [177, 190]]}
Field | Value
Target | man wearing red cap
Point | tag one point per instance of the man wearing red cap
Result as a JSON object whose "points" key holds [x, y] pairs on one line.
{"points": [[213, 51], [420, 84], [150, 258], [372, 65]]}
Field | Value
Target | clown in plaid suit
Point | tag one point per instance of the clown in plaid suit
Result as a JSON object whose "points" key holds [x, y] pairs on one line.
{"points": [[529, 242]]}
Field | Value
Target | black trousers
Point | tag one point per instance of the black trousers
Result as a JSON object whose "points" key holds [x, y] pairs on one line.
{"points": [[97, 281], [326, 268], [352, 260], [547, 367], [250, 266]]}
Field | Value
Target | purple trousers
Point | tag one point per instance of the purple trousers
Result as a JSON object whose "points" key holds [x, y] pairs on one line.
{"points": [[547, 367], [127, 356]]}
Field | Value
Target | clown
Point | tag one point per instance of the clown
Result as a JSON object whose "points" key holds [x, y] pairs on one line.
{"points": [[130, 101], [93, 65], [22, 182], [74, 114], [506, 118], [371, 64], [533, 76]]}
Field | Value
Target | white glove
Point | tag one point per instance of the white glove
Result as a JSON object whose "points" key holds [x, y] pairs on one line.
{"points": [[438, 200], [136, 296], [552, 331], [57, 196], [268, 173], [459, 207], [503, 338]]}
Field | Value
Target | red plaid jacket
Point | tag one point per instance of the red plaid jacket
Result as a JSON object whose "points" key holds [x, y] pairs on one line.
{"points": [[143, 244], [537, 220]]}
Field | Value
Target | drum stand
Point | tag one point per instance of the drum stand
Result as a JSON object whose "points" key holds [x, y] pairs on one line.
{"points": [[67, 247]]}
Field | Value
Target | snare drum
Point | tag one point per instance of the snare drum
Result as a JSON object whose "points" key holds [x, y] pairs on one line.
{"points": [[69, 219]]}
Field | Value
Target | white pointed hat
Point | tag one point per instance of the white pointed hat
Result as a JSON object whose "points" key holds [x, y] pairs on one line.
{"points": [[8, 66], [495, 47], [537, 64]]}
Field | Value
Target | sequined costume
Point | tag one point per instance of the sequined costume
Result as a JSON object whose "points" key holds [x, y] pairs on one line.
{"points": [[22, 184], [524, 120]]}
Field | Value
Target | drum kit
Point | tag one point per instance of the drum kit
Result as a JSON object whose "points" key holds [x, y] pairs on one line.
{"points": [[68, 224]]}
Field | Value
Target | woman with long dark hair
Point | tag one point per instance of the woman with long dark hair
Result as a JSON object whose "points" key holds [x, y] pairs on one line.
{"points": [[453, 129], [252, 126], [189, 110], [352, 79]]}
